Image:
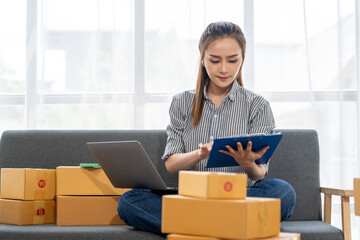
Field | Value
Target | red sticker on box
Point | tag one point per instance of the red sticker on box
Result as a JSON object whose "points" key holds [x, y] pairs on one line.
{"points": [[228, 186], [40, 212], [41, 183]]}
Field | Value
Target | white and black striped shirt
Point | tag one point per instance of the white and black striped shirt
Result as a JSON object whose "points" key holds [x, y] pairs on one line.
{"points": [[241, 112]]}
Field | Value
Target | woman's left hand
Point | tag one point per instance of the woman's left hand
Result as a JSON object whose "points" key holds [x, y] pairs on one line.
{"points": [[245, 157]]}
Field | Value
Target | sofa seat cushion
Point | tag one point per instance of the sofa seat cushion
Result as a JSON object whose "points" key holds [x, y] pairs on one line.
{"points": [[53, 232], [310, 230]]}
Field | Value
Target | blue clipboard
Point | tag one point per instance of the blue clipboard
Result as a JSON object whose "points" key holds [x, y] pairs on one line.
{"points": [[218, 159]]}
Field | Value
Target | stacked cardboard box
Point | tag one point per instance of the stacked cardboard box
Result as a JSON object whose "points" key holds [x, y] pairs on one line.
{"points": [[27, 196], [213, 205], [85, 196]]}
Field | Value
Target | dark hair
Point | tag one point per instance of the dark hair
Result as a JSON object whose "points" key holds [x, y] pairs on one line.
{"points": [[213, 32]]}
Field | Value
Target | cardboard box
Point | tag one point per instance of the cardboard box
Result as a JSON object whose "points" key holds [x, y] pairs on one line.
{"points": [[223, 218], [281, 236], [84, 181], [28, 183], [211, 185], [21, 212], [87, 210], [357, 196]]}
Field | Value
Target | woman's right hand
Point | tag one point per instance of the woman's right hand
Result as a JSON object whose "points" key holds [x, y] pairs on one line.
{"points": [[204, 150], [182, 161]]}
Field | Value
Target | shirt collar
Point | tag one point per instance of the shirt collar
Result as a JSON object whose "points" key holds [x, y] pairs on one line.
{"points": [[231, 94], [235, 87]]}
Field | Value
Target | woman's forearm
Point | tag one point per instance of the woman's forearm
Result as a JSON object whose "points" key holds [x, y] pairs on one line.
{"points": [[255, 172], [182, 161]]}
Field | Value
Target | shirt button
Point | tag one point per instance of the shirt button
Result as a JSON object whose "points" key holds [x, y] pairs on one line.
{"points": [[215, 116]]}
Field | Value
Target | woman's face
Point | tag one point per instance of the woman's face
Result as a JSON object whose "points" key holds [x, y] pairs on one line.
{"points": [[222, 60]]}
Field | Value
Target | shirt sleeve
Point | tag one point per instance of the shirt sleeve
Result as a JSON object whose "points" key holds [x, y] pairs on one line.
{"points": [[174, 130], [263, 122]]}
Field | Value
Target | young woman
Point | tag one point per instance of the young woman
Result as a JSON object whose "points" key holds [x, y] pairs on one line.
{"points": [[219, 107]]}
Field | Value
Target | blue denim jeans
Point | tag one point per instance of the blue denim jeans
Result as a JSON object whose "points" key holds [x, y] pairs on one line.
{"points": [[141, 208]]}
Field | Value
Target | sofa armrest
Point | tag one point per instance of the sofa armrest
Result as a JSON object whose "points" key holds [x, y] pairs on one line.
{"points": [[357, 196], [345, 208]]}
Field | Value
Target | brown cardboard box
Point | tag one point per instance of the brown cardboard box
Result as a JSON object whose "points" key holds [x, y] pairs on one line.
{"points": [[357, 196], [21, 212], [87, 210], [28, 183], [281, 236], [223, 218], [84, 181], [210, 185]]}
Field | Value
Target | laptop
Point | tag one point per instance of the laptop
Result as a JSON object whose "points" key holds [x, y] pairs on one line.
{"points": [[127, 165]]}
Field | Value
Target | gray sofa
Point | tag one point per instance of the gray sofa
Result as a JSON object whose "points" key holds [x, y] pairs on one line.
{"points": [[296, 160]]}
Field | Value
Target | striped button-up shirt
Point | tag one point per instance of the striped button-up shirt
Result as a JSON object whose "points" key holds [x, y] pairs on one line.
{"points": [[241, 112]]}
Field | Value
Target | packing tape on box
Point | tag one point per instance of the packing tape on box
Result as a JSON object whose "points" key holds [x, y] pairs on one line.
{"points": [[264, 215], [41, 180], [39, 212]]}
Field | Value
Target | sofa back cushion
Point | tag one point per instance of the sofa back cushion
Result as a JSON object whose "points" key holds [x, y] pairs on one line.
{"points": [[52, 148], [296, 160]]}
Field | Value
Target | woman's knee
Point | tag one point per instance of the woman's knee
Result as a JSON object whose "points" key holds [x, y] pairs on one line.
{"points": [[126, 203], [287, 190], [280, 188], [122, 206], [288, 198]]}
